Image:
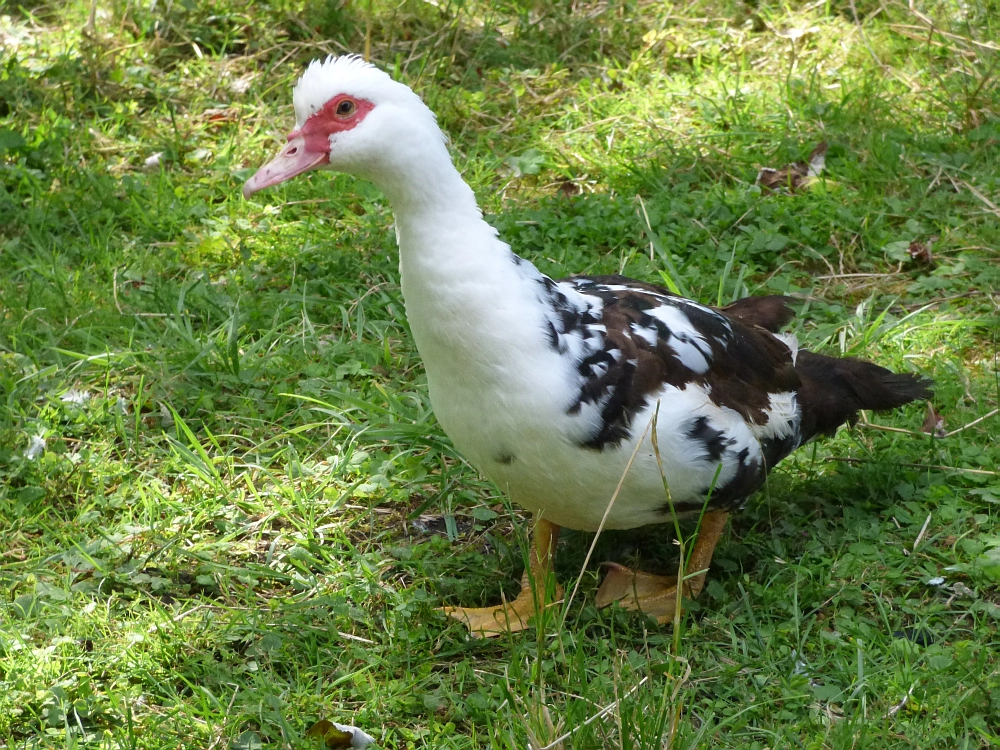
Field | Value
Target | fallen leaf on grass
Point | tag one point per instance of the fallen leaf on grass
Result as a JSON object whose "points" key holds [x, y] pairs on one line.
{"points": [[960, 589], [570, 188], [795, 176], [336, 735], [920, 252], [933, 423], [915, 251], [221, 115]]}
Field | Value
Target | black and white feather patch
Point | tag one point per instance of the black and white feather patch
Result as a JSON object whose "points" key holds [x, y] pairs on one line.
{"points": [[638, 337], [627, 340]]}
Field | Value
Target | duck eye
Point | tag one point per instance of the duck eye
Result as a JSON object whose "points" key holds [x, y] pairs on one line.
{"points": [[346, 108]]}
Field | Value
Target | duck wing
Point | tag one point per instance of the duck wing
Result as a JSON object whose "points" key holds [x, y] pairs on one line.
{"points": [[641, 338]]}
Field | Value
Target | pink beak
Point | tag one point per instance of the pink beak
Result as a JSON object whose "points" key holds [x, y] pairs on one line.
{"points": [[294, 159]]}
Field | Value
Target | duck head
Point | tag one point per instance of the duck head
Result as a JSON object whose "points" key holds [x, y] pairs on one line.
{"points": [[352, 117]]}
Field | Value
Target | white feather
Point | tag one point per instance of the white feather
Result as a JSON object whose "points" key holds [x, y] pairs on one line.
{"points": [[691, 348], [782, 417], [792, 342]]}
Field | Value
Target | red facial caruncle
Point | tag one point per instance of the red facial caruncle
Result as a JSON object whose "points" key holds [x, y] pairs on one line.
{"points": [[309, 146], [341, 113]]}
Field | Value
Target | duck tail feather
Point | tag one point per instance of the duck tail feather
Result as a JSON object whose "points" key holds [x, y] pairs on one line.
{"points": [[835, 389]]}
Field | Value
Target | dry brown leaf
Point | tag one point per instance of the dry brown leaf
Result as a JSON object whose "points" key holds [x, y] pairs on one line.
{"points": [[796, 175], [921, 252], [933, 423], [221, 115]]}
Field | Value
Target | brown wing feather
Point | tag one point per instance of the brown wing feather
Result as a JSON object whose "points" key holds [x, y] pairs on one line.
{"points": [[771, 313], [746, 366], [747, 363]]}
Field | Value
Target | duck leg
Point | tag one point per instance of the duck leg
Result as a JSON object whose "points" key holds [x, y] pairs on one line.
{"points": [[657, 595], [510, 617]]}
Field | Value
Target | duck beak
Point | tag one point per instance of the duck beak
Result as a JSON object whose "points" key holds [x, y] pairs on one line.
{"points": [[294, 159]]}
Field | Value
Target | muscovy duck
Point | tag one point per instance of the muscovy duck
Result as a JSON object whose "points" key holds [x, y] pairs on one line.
{"points": [[550, 387]]}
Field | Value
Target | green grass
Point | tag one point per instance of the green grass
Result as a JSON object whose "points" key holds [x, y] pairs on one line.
{"points": [[246, 515]]}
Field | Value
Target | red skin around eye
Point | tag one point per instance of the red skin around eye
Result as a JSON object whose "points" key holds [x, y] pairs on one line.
{"points": [[324, 123], [309, 146]]}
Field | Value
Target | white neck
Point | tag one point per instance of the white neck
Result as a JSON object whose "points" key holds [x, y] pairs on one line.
{"points": [[472, 310], [425, 183], [483, 319]]}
